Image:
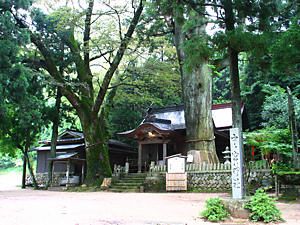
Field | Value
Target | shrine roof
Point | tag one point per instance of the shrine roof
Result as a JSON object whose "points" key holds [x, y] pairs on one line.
{"points": [[172, 118]]}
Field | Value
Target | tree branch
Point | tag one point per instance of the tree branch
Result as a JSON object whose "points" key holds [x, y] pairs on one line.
{"points": [[117, 59], [119, 20], [49, 64], [100, 55], [86, 34]]}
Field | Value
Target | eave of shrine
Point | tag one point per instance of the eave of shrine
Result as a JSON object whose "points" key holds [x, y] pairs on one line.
{"points": [[149, 131]]}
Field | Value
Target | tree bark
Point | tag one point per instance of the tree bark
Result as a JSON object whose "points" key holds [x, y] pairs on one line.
{"points": [[54, 136], [234, 69], [24, 172], [27, 162], [96, 145], [198, 115], [293, 126], [197, 97]]}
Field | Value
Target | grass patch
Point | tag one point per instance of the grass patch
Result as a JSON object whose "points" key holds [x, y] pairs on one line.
{"points": [[10, 170]]}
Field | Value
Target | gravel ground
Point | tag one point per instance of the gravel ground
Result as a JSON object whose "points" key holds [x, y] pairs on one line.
{"points": [[30, 207]]}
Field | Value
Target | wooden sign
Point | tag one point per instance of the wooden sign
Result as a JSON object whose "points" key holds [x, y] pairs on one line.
{"points": [[176, 181], [176, 177], [176, 165]]}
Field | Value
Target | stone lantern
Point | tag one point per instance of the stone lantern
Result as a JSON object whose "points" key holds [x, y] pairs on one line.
{"points": [[226, 155]]}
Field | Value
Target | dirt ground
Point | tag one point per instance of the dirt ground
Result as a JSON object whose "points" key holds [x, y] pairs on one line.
{"points": [[30, 207]]}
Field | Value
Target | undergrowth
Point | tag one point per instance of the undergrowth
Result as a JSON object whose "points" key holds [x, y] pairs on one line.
{"points": [[215, 210]]}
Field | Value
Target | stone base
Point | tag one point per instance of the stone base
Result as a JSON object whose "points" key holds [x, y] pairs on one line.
{"points": [[236, 207]]}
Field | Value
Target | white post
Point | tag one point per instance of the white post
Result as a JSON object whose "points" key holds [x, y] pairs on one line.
{"points": [[164, 153], [68, 172], [236, 163], [140, 158], [127, 167]]}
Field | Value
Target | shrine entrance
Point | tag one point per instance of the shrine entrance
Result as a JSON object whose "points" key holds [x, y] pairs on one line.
{"points": [[154, 152], [156, 140]]}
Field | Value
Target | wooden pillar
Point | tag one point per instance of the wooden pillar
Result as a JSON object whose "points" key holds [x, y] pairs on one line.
{"points": [[68, 171], [82, 172], [164, 153], [52, 175], [157, 155], [140, 158]]}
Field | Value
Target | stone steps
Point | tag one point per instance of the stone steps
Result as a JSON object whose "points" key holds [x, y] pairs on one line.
{"points": [[129, 183]]}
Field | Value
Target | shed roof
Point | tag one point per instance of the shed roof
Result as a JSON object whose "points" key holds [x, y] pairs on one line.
{"points": [[59, 147]]}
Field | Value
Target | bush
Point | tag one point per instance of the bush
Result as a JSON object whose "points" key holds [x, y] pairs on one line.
{"points": [[215, 210], [6, 162], [263, 208]]}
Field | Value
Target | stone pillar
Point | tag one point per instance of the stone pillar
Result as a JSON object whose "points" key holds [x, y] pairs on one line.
{"points": [[140, 158], [236, 163], [164, 153]]}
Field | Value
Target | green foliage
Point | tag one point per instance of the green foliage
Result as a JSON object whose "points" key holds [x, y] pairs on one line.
{"points": [[275, 107], [286, 50], [6, 161], [154, 83], [271, 140], [196, 50], [263, 208], [215, 210]]}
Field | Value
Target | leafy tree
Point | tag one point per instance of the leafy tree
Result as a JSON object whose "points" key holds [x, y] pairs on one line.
{"points": [[63, 27], [22, 104], [271, 141], [275, 108], [155, 83], [191, 41]]}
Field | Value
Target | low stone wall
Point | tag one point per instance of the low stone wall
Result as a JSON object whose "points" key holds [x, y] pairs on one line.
{"points": [[209, 180], [221, 180], [42, 179], [217, 177]]}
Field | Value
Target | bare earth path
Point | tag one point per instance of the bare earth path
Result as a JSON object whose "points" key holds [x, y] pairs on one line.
{"points": [[29, 207]]}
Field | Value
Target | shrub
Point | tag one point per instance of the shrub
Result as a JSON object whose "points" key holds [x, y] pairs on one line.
{"points": [[215, 210], [263, 208]]}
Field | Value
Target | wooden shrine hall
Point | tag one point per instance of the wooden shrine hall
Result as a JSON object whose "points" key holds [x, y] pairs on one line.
{"points": [[162, 133]]}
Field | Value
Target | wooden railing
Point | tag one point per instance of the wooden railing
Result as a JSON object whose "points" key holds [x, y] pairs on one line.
{"points": [[204, 167]]}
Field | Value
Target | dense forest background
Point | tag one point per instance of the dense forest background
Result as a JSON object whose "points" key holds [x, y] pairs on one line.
{"points": [[265, 36]]}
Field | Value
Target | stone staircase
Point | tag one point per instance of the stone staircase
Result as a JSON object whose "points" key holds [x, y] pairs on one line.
{"points": [[131, 182]]}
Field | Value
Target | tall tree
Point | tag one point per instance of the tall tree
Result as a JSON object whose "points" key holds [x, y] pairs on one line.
{"points": [[76, 82], [191, 42], [21, 101]]}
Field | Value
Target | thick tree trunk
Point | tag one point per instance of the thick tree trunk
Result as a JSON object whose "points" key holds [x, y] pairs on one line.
{"points": [[27, 162], [293, 126], [235, 90], [24, 172], [35, 185], [234, 69], [96, 144], [198, 115], [54, 136], [197, 97]]}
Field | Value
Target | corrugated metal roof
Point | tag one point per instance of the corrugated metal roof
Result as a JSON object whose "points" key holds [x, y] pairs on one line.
{"points": [[58, 147], [66, 155], [221, 113]]}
